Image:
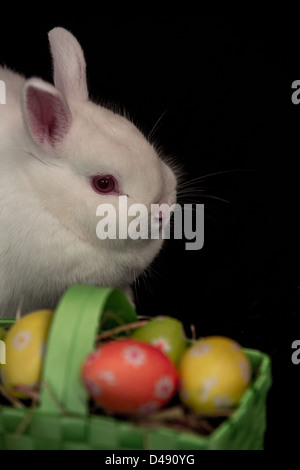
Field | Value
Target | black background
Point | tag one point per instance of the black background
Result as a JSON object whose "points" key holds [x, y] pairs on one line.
{"points": [[225, 89]]}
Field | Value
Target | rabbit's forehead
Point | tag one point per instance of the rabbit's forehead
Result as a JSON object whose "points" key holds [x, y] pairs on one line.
{"points": [[98, 121], [111, 144]]}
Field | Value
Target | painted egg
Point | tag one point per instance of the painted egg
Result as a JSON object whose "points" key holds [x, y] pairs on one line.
{"points": [[129, 377], [214, 373], [165, 333], [25, 344]]}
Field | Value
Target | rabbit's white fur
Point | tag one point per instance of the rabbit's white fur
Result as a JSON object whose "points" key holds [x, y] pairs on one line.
{"points": [[52, 140]]}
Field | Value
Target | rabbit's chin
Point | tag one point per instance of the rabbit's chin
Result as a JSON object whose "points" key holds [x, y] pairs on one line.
{"points": [[141, 259], [121, 266]]}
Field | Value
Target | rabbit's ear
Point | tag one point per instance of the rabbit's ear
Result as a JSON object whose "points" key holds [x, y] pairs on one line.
{"points": [[45, 112], [69, 67]]}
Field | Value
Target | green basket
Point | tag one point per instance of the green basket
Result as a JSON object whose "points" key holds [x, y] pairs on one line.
{"points": [[62, 419]]}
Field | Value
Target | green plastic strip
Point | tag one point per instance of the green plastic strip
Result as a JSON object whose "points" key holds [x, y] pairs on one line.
{"points": [[71, 338], [7, 322]]}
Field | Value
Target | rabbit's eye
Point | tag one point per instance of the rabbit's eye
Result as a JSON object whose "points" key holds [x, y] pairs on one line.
{"points": [[104, 184]]}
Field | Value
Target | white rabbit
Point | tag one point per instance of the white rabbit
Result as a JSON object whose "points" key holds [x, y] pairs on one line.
{"points": [[55, 148]]}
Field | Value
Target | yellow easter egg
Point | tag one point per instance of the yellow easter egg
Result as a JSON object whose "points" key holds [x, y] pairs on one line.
{"points": [[25, 345], [214, 373]]}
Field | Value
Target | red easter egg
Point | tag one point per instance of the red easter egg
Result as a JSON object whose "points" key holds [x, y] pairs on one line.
{"points": [[129, 377]]}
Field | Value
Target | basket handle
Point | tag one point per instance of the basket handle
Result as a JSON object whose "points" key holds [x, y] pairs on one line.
{"points": [[71, 338]]}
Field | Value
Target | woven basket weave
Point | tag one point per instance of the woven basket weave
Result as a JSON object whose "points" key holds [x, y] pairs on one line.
{"points": [[62, 419]]}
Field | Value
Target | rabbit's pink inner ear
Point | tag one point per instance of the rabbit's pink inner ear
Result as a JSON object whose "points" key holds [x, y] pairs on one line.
{"points": [[48, 116]]}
